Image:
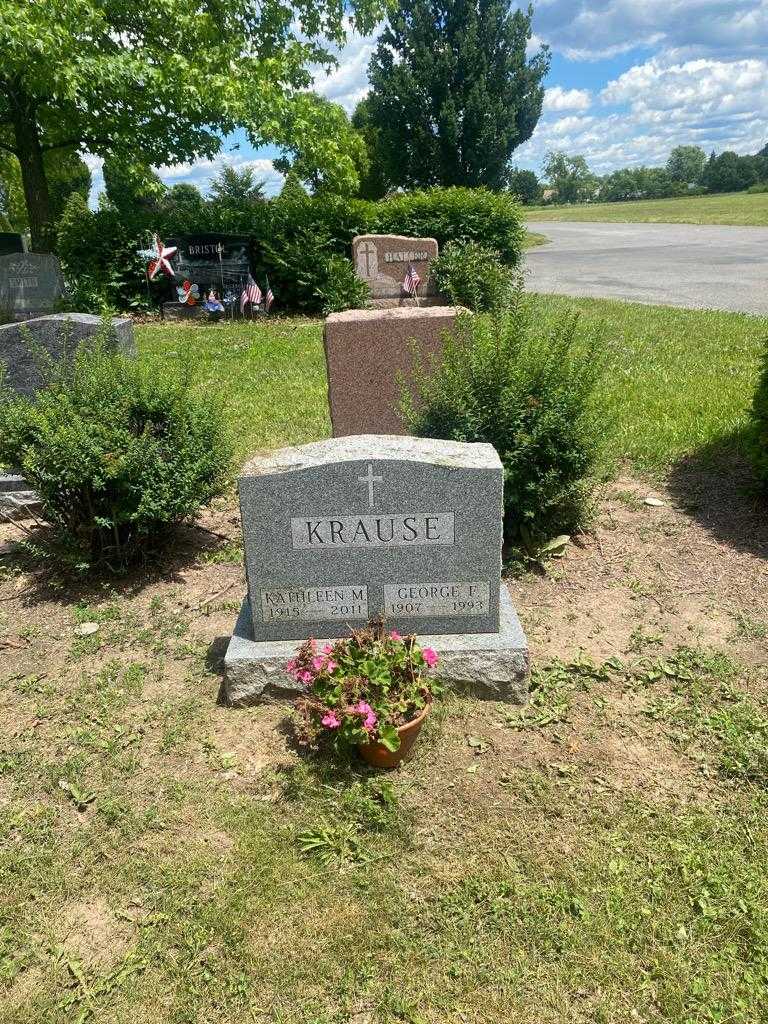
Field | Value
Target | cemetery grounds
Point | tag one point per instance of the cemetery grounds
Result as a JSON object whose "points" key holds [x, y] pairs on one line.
{"points": [[740, 208], [599, 855]]}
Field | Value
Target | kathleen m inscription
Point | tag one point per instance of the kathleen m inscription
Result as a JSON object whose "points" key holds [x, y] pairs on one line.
{"points": [[409, 528]]}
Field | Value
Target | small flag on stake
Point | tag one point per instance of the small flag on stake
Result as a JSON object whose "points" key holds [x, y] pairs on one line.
{"points": [[251, 293], [270, 298], [412, 281]]}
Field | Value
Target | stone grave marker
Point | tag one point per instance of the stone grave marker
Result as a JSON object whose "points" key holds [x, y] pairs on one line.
{"points": [[30, 284], [57, 335], [197, 261], [365, 351], [339, 531], [11, 242], [382, 261]]}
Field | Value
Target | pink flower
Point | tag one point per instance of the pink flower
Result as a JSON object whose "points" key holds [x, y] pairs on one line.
{"points": [[370, 719], [327, 649], [291, 666], [394, 635], [331, 720], [330, 665], [305, 677], [430, 657], [318, 664]]}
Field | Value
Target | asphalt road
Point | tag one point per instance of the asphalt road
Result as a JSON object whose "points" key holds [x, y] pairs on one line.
{"points": [[698, 267]]}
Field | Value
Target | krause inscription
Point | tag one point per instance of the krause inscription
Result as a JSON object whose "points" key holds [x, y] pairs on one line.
{"points": [[422, 599], [373, 531], [314, 604]]}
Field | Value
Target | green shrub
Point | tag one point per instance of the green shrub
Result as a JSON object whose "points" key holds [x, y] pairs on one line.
{"points": [[117, 453], [294, 236], [759, 441], [339, 287], [473, 214], [530, 392], [472, 275], [759, 189]]}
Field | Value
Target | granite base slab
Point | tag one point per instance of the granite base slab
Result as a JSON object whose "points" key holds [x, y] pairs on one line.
{"points": [[494, 666], [17, 501], [407, 303]]}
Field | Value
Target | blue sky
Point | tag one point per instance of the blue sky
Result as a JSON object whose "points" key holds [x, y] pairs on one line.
{"points": [[630, 79]]}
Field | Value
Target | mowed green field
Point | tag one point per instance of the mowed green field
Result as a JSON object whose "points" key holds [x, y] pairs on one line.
{"points": [[677, 379], [731, 208]]}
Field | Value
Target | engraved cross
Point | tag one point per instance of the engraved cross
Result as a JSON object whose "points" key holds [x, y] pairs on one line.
{"points": [[370, 479]]}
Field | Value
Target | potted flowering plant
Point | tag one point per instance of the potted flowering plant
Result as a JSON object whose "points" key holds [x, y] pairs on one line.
{"points": [[371, 691]]}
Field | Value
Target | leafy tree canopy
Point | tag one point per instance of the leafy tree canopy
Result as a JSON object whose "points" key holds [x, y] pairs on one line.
{"points": [[167, 77], [570, 176], [686, 164], [453, 92], [524, 184]]}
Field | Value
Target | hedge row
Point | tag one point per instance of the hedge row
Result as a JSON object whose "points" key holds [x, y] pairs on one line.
{"points": [[293, 237]]}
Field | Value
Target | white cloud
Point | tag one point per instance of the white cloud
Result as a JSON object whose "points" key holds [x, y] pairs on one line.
{"points": [[590, 29], [558, 98], [348, 83], [655, 106]]}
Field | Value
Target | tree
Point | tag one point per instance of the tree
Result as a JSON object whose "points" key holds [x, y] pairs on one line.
{"points": [[570, 176], [67, 173], [237, 187], [132, 186], [307, 154], [730, 172], [453, 92], [639, 183], [167, 79], [686, 164], [524, 184], [374, 183]]}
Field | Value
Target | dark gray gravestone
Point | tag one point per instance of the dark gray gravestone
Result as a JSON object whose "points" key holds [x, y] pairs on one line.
{"points": [[57, 335], [10, 242], [341, 530], [30, 284], [215, 263]]}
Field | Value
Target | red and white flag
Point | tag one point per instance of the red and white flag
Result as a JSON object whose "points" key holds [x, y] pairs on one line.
{"points": [[270, 297], [412, 281], [251, 293]]}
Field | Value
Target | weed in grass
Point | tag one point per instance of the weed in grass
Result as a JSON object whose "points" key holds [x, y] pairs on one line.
{"points": [[228, 553], [552, 689], [748, 628]]}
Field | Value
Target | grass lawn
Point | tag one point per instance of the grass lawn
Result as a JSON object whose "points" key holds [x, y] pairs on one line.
{"points": [[679, 379], [600, 856], [732, 208]]}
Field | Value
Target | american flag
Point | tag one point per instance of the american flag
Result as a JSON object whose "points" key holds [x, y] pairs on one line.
{"points": [[412, 280], [251, 293], [270, 296]]}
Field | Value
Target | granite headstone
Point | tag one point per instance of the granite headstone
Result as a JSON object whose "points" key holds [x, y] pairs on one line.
{"points": [[366, 351], [11, 242], [58, 335], [338, 531], [210, 262], [30, 284], [341, 530], [382, 262]]}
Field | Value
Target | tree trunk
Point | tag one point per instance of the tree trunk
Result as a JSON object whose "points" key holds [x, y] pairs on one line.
{"points": [[30, 153]]}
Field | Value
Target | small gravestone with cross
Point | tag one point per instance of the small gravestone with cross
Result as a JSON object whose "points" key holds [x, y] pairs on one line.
{"points": [[382, 262], [339, 531]]}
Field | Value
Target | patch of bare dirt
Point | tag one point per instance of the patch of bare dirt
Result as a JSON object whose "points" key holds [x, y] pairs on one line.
{"points": [[91, 933]]}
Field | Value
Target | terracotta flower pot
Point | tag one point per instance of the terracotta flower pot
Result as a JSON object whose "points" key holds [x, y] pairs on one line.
{"points": [[379, 756]]}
